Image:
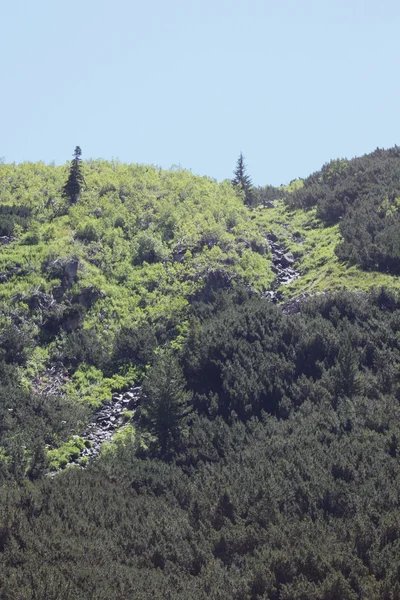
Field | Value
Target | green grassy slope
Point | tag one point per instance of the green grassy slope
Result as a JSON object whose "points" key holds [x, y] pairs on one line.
{"points": [[146, 241], [313, 245]]}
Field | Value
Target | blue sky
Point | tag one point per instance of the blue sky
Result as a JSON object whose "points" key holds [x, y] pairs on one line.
{"points": [[292, 83]]}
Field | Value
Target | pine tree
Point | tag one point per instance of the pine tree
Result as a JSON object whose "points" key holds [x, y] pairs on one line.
{"points": [[242, 181], [166, 402], [346, 370], [72, 189]]}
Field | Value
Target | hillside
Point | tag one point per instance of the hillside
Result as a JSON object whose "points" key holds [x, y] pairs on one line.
{"points": [[213, 386]]}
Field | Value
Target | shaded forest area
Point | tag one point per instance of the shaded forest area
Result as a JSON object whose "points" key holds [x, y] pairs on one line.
{"points": [[283, 480]]}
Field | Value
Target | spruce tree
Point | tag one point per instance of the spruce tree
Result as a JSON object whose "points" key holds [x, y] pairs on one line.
{"points": [[242, 181], [346, 370], [72, 189], [166, 403]]}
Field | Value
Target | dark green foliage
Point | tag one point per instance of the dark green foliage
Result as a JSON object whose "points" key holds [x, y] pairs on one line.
{"points": [[10, 216], [28, 421], [166, 403], [82, 346], [242, 181], [14, 344], [362, 194], [247, 358], [280, 508], [238, 356], [68, 318], [149, 249], [266, 195], [135, 345], [73, 187], [347, 375], [299, 504], [87, 234]]}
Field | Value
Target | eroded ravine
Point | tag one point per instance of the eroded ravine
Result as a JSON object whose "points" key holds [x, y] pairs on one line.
{"points": [[282, 266]]}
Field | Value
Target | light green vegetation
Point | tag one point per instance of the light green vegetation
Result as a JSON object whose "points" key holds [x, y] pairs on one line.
{"points": [[294, 185], [147, 241], [125, 436], [313, 246], [138, 229], [127, 415], [67, 452], [89, 385]]}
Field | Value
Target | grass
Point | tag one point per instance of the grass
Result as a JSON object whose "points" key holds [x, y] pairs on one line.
{"points": [[313, 246]]}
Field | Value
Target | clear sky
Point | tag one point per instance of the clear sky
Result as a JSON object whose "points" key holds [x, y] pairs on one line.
{"points": [[291, 83]]}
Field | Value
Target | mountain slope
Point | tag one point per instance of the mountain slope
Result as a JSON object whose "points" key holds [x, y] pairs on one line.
{"points": [[243, 360]]}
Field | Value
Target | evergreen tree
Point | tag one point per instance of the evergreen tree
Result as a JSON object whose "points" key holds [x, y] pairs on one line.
{"points": [[346, 370], [166, 402], [72, 189], [242, 181]]}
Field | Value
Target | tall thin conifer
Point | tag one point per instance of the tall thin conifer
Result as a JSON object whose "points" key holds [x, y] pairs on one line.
{"points": [[73, 187]]}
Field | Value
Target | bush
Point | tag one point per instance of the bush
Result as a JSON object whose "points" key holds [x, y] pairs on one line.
{"points": [[15, 343], [134, 345], [82, 346], [87, 233], [119, 222], [149, 249]]}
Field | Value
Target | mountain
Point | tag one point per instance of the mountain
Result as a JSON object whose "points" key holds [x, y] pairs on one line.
{"points": [[199, 398]]}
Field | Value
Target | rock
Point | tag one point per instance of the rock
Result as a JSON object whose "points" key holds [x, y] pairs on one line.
{"points": [[271, 237], [71, 270], [89, 296], [105, 422], [297, 239], [103, 419], [179, 256], [7, 239], [286, 260]]}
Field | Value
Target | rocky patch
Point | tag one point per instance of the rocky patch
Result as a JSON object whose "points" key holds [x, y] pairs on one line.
{"points": [[282, 266], [108, 419]]}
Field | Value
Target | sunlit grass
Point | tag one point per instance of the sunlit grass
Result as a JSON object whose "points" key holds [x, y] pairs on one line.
{"points": [[313, 246]]}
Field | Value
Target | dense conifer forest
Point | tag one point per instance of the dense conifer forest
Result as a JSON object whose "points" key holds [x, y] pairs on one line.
{"points": [[199, 383]]}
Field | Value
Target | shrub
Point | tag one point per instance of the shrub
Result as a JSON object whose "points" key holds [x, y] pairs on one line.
{"points": [[134, 345], [82, 346], [87, 233], [149, 249]]}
